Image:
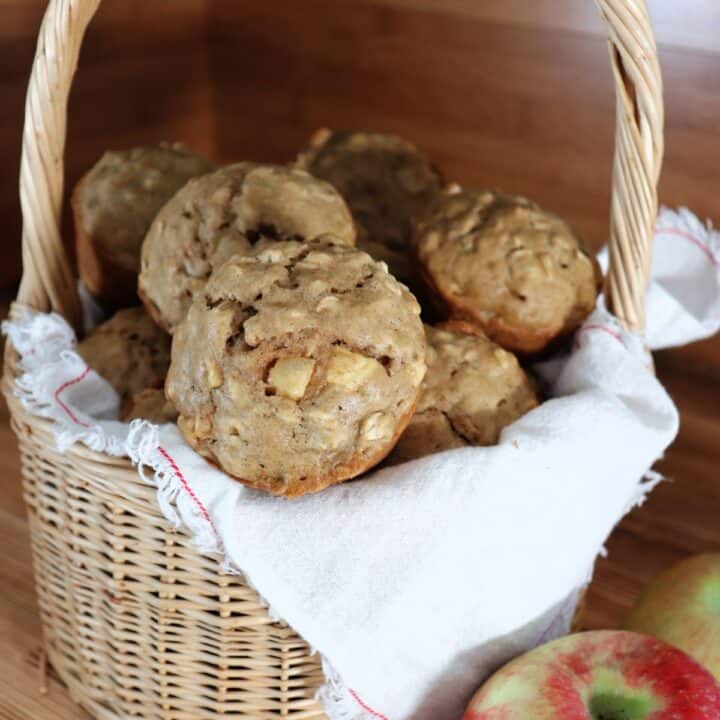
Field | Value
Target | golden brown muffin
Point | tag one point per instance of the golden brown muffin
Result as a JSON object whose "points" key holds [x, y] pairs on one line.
{"points": [[149, 404], [113, 206], [226, 213], [385, 181], [502, 263], [129, 350], [298, 366], [471, 391]]}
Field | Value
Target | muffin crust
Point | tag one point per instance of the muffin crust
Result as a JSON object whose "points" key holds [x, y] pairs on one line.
{"points": [[385, 180], [129, 350], [149, 404], [224, 214], [471, 391], [114, 205], [501, 262], [298, 366]]}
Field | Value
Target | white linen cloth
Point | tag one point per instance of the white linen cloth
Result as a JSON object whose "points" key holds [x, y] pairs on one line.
{"points": [[418, 580]]}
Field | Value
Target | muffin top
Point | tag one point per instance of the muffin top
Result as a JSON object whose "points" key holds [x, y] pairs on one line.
{"points": [[298, 365], [129, 350], [385, 180], [471, 391], [118, 199], [224, 214], [502, 262]]}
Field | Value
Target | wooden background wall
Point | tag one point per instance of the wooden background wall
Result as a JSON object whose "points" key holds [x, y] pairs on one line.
{"points": [[509, 93], [144, 77]]}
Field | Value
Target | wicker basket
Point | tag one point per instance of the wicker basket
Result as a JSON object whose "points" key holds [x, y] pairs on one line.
{"points": [[135, 621]]}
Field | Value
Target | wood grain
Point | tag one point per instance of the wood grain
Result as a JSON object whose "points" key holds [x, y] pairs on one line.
{"points": [[690, 25]]}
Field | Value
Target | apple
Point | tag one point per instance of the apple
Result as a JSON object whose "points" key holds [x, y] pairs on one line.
{"points": [[682, 607], [602, 675]]}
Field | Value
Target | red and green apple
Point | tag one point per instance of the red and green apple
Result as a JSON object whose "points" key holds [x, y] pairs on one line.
{"points": [[603, 675], [682, 607]]}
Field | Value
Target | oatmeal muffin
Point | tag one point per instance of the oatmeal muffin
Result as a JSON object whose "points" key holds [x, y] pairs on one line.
{"points": [[499, 261], [298, 366], [113, 206], [224, 214], [149, 404], [471, 391], [129, 350], [385, 180]]}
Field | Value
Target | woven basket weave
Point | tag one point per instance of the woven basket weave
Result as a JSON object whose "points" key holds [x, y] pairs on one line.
{"points": [[135, 621]]}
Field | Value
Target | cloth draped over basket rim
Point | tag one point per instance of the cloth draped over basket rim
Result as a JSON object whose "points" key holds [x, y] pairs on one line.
{"points": [[465, 531], [48, 283]]}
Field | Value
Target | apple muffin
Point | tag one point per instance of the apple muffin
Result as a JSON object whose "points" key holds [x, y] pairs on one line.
{"points": [[385, 180], [129, 350], [113, 207], [149, 404], [499, 261], [471, 391], [224, 214], [298, 366]]}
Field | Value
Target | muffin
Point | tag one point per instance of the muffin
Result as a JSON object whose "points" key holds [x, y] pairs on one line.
{"points": [[385, 181], [149, 404], [298, 366], [471, 391], [500, 262], [113, 206], [129, 350], [224, 214]]}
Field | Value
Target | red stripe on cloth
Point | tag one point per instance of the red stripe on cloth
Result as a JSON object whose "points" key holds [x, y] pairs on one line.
{"points": [[366, 707], [691, 238], [65, 386], [605, 329], [189, 490]]}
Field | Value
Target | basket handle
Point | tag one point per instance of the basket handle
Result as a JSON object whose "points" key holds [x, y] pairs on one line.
{"points": [[48, 281], [639, 146]]}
